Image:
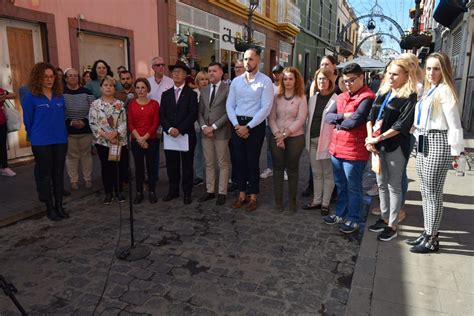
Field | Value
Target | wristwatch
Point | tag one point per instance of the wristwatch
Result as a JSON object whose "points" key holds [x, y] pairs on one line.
{"points": [[248, 127], [382, 137]]}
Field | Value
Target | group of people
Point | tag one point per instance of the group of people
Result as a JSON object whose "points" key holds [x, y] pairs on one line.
{"points": [[341, 125]]}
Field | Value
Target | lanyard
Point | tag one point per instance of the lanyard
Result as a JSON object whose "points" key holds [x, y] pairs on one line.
{"points": [[420, 103], [385, 102]]}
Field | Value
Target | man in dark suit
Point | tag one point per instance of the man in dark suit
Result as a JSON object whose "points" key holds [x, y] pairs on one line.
{"points": [[216, 132], [178, 112]]}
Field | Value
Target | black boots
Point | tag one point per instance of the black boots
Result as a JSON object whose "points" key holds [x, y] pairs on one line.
{"points": [[60, 209], [52, 213], [417, 241], [427, 245]]}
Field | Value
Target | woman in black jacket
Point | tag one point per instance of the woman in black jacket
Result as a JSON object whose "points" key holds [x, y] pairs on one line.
{"points": [[388, 130]]}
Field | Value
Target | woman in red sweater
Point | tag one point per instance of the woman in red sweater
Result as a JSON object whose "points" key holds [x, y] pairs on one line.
{"points": [[143, 121]]}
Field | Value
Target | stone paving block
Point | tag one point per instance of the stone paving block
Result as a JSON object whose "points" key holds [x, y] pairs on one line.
{"points": [[136, 297], [359, 302]]}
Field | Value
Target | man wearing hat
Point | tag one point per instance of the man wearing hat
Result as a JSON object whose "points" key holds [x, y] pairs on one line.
{"points": [[178, 112]]}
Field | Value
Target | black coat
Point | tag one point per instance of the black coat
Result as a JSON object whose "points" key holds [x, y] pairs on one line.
{"points": [[398, 115], [182, 115]]}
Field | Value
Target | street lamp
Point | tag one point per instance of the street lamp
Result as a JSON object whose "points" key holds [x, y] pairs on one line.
{"points": [[241, 45]]}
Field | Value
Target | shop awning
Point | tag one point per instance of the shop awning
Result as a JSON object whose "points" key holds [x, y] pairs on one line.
{"points": [[448, 10]]}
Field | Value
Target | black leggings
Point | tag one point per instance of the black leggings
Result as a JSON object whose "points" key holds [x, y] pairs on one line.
{"points": [[112, 171], [49, 171]]}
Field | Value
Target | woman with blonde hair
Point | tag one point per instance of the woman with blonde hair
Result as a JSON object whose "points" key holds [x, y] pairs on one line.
{"points": [[286, 121], [318, 138], [440, 139], [388, 130], [201, 81]]}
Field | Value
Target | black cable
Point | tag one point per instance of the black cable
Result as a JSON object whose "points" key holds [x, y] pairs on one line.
{"points": [[116, 246]]}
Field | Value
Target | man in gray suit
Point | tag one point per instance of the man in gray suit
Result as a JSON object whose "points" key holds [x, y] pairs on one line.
{"points": [[216, 132]]}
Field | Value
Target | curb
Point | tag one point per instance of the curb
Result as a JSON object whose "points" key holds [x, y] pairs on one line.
{"points": [[360, 295], [37, 208]]}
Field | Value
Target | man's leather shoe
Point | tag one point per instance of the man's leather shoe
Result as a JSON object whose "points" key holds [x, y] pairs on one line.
{"points": [[170, 197], [152, 197], [252, 205], [187, 199], [138, 199], [220, 199], [238, 203], [206, 197]]}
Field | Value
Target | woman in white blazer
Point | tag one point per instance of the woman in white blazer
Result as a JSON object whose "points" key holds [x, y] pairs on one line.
{"points": [[318, 138]]}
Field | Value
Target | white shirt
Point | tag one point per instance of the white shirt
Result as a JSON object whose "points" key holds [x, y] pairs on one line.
{"points": [[446, 117], [157, 89]]}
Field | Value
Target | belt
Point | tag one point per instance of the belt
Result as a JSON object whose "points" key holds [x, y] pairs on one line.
{"points": [[244, 118]]}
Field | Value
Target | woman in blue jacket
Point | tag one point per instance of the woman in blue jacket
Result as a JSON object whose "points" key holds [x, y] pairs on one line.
{"points": [[44, 118]]}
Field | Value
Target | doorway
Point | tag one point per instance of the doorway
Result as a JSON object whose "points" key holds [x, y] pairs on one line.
{"points": [[22, 52]]}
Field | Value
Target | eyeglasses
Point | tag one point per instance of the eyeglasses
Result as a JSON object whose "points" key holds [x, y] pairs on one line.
{"points": [[350, 81], [158, 65]]}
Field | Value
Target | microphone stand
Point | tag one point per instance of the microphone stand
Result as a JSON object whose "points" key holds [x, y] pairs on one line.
{"points": [[133, 252], [9, 289]]}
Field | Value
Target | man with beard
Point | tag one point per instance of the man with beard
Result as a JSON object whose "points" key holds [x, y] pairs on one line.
{"points": [[249, 103], [126, 79]]}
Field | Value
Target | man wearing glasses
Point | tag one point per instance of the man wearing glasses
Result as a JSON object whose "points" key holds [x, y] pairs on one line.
{"points": [[348, 154], [159, 83]]}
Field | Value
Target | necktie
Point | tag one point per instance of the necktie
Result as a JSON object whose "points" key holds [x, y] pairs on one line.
{"points": [[213, 94], [176, 94]]}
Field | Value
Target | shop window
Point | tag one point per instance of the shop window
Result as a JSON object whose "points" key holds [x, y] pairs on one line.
{"points": [[195, 47]]}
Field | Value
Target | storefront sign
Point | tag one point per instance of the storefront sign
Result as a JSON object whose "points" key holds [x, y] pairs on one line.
{"points": [[228, 33]]}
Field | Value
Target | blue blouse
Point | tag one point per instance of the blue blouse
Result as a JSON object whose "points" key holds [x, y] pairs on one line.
{"points": [[44, 119]]}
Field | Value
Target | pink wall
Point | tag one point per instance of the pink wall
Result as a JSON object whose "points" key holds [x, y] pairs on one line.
{"points": [[137, 15]]}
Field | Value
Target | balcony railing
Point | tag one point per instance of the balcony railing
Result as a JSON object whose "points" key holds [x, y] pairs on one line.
{"points": [[288, 12]]}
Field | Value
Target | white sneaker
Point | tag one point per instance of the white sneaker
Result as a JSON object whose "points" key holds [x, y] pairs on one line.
{"points": [[285, 176], [373, 191], [7, 172], [266, 173]]}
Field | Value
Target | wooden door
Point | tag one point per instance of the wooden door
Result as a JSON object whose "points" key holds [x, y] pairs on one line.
{"points": [[21, 52]]}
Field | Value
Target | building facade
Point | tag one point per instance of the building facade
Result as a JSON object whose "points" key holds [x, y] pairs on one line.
{"points": [[454, 35], [74, 34], [317, 37], [207, 31], [350, 38]]}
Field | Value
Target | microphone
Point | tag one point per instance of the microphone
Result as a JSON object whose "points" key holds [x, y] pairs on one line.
{"points": [[130, 97]]}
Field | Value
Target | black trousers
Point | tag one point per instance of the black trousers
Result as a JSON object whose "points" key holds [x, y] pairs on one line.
{"points": [[233, 161], [180, 167], [247, 156], [3, 146], [112, 171], [49, 172], [142, 156]]}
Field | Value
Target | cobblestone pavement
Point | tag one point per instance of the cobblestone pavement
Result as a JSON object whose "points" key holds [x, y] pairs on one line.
{"points": [[205, 260]]}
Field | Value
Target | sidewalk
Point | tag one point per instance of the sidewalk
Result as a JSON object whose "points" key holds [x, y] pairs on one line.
{"points": [[390, 280], [18, 197]]}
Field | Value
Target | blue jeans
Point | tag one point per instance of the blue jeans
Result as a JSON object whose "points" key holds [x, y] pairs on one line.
{"points": [[405, 176], [348, 179]]}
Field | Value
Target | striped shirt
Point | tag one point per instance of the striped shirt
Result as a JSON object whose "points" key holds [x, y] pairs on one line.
{"points": [[78, 103]]}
